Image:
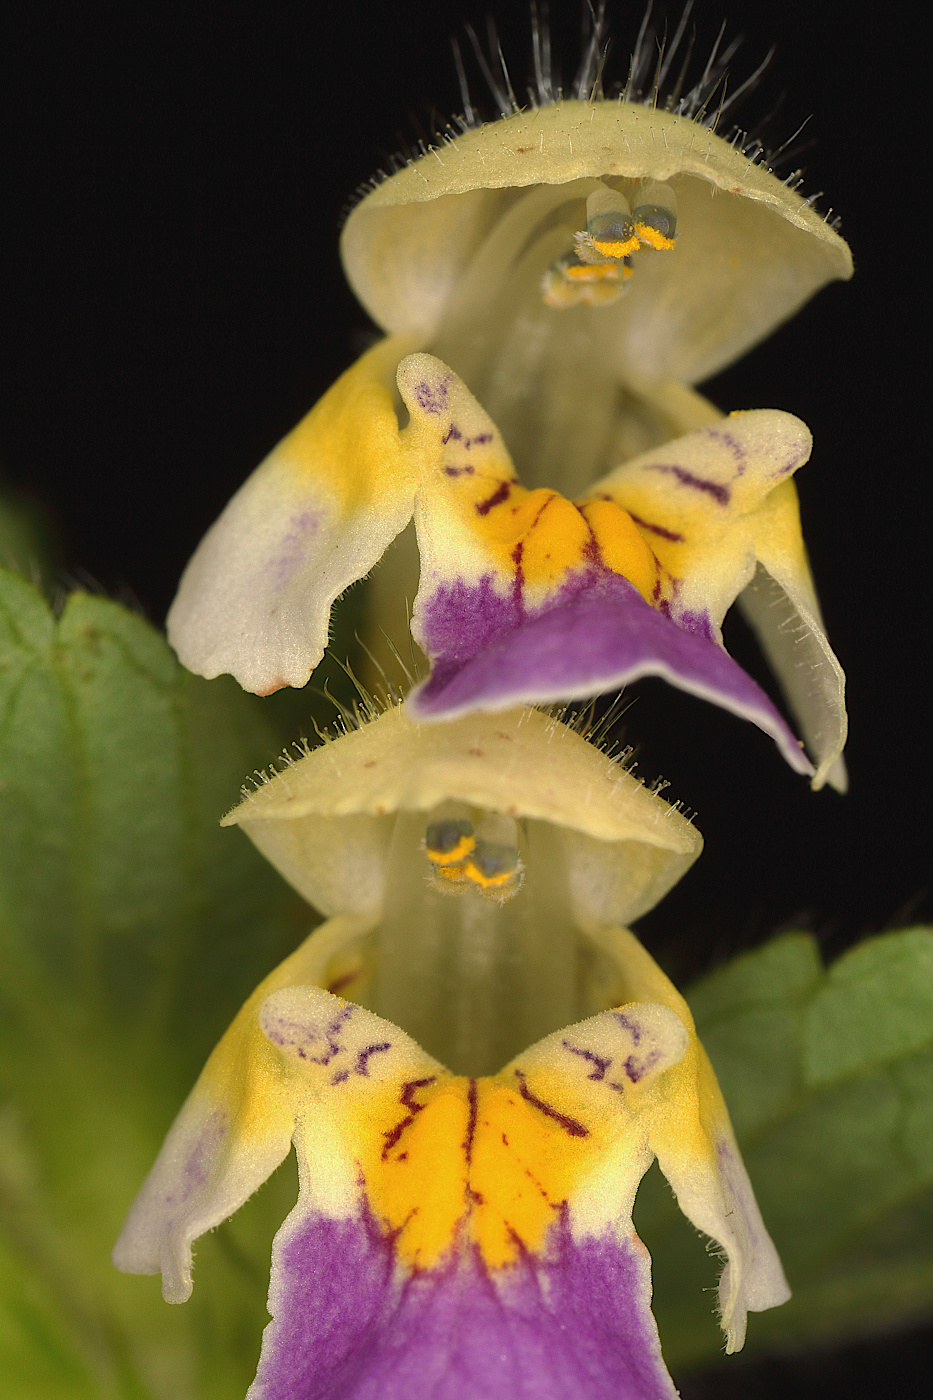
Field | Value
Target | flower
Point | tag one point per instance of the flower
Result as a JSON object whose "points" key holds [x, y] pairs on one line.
{"points": [[461, 1232], [579, 267]]}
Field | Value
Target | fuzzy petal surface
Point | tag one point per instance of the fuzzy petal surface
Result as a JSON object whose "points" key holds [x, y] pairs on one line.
{"points": [[313, 518]]}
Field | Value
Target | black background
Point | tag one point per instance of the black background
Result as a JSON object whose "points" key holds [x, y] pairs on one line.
{"points": [[173, 303]]}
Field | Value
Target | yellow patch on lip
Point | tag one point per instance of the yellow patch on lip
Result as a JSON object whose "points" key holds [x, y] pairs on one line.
{"points": [[622, 546], [544, 535], [490, 1161]]}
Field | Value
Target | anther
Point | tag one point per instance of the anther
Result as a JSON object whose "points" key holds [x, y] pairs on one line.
{"points": [[610, 231], [491, 866], [571, 281], [655, 215], [449, 842]]}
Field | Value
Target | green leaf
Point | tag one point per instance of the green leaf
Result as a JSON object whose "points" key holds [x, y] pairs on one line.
{"points": [[829, 1078], [131, 928]]}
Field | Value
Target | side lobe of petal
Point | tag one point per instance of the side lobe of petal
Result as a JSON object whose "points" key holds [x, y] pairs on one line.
{"points": [[718, 504], [781, 606], [232, 1132], [597, 634], [256, 596], [692, 1138], [700, 1158], [698, 498]]}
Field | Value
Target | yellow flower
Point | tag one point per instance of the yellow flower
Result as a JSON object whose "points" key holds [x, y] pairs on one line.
{"points": [[579, 267], [457, 1219]]}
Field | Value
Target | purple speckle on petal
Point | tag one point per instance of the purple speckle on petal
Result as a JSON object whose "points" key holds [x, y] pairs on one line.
{"points": [[363, 1057], [432, 398], [636, 1068], [733, 445], [629, 1025]]}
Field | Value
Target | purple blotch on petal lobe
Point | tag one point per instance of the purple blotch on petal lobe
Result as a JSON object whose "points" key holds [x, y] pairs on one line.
{"points": [[696, 621], [295, 1035], [292, 552], [595, 633], [572, 1324], [200, 1159]]}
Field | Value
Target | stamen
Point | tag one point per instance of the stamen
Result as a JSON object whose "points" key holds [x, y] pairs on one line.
{"points": [[495, 870], [468, 971], [494, 867], [571, 281], [655, 215], [486, 860], [449, 879], [609, 227], [594, 273], [449, 842]]}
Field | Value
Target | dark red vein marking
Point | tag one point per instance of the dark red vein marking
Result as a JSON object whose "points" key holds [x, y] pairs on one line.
{"points": [[661, 530], [569, 1125], [518, 585], [473, 1101], [591, 550], [501, 494], [406, 1099]]}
